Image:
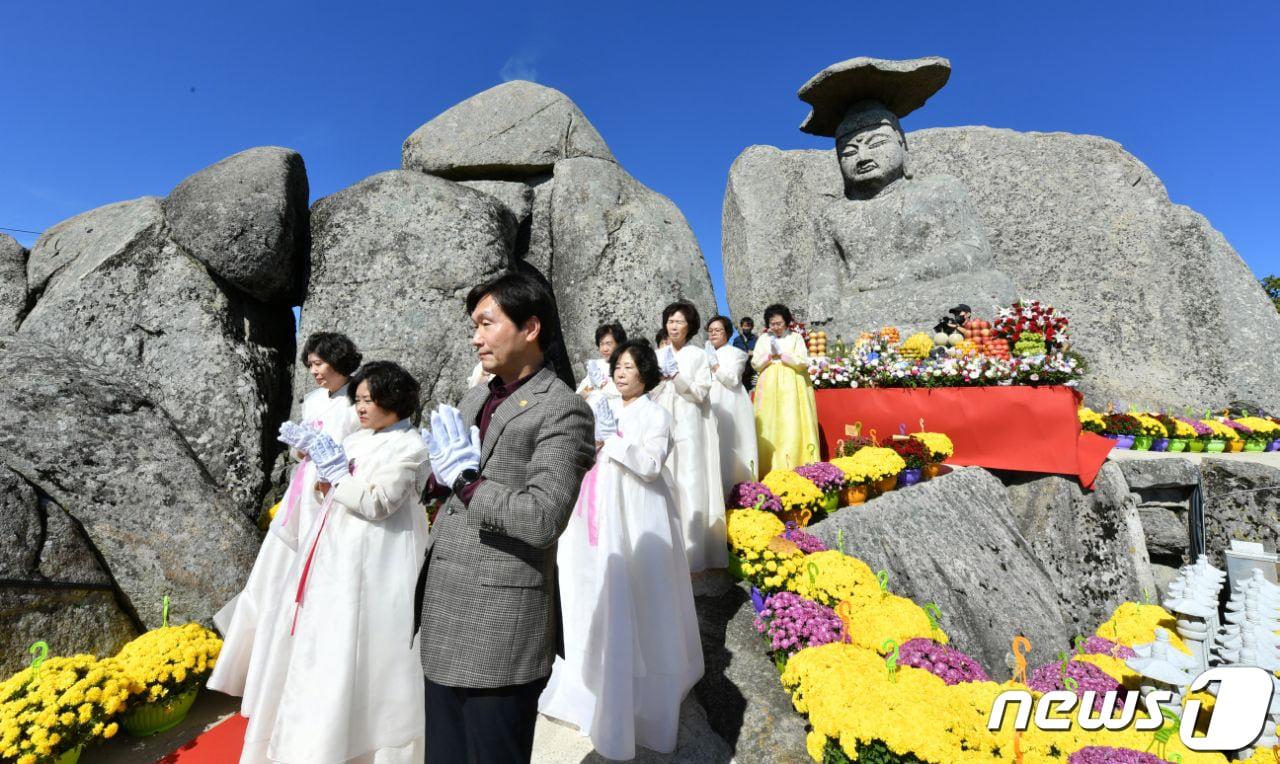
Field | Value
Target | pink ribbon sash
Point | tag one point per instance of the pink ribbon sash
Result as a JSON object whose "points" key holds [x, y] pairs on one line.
{"points": [[296, 487], [587, 504]]}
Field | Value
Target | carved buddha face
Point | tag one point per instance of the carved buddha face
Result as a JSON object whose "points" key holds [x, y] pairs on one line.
{"points": [[871, 158], [871, 148]]}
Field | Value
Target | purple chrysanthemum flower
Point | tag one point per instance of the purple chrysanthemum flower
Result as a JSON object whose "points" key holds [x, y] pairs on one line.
{"points": [[826, 476], [1087, 676], [1101, 754], [1102, 646], [1200, 428], [947, 663], [793, 623], [807, 542], [748, 495]]}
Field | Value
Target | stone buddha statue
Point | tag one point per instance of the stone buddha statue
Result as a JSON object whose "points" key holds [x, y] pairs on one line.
{"points": [[896, 249]]}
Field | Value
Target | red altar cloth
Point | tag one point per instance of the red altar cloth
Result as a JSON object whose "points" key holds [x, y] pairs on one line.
{"points": [[1032, 429]]}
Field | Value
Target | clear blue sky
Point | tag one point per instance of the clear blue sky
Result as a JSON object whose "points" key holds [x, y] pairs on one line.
{"points": [[110, 101]]}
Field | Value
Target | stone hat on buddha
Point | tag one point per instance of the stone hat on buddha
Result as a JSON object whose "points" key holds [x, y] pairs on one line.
{"points": [[863, 91]]}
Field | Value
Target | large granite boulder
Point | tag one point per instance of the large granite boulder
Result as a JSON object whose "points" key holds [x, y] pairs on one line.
{"points": [[621, 253], [93, 442], [13, 283], [611, 248], [510, 131], [55, 588], [1163, 308], [393, 258], [740, 689], [1241, 501], [953, 541], [246, 218], [1091, 542], [769, 227], [116, 289]]}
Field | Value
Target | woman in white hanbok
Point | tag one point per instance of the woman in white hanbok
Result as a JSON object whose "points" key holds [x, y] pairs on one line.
{"points": [[338, 679], [694, 461], [631, 642], [599, 383], [330, 359], [735, 416]]}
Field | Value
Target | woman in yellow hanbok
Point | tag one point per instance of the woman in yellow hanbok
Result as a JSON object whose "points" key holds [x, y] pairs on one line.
{"points": [[786, 414]]}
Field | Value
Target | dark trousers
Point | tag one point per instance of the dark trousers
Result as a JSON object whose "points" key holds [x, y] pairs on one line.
{"points": [[491, 726]]}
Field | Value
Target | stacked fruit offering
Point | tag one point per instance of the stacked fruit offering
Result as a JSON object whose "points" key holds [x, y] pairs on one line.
{"points": [[817, 343]]}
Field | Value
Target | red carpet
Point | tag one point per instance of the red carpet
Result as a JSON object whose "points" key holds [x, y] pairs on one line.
{"points": [[220, 745]]}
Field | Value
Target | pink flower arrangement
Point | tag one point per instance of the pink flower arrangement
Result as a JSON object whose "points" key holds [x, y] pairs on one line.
{"points": [[945, 662], [1031, 317]]}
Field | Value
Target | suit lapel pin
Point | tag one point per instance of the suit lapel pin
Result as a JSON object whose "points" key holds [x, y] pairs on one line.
{"points": [[524, 403]]}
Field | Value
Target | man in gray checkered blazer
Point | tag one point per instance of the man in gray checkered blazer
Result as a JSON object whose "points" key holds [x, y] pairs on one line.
{"points": [[512, 456]]}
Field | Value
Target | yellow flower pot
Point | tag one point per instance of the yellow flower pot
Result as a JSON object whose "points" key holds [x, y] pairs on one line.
{"points": [[1235, 446]]}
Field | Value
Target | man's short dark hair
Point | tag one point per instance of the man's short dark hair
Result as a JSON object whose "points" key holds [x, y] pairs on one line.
{"points": [[521, 297], [645, 359], [777, 309], [335, 349], [390, 386], [746, 320], [690, 313], [723, 321], [614, 330]]}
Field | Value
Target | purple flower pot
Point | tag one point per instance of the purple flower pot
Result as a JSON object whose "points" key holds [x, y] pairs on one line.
{"points": [[1122, 441], [757, 600], [1160, 444], [1274, 445], [909, 477]]}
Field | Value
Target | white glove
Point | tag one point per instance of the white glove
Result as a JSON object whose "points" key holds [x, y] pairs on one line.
{"points": [[330, 459], [597, 373], [606, 422], [293, 434], [713, 358], [667, 362], [450, 446], [774, 347]]}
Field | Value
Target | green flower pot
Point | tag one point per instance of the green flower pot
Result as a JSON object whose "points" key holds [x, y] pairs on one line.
{"points": [[1177, 444], [70, 757], [735, 567], [1196, 446], [159, 716], [1142, 443], [1253, 444], [1215, 446], [830, 502]]}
